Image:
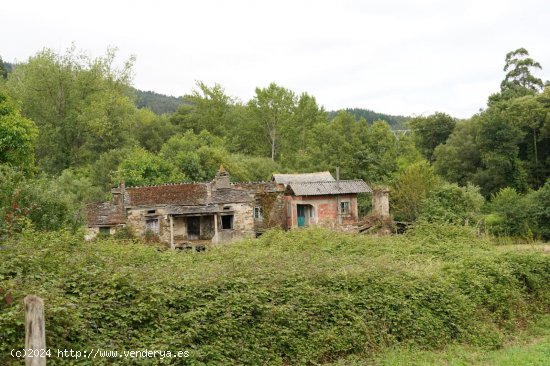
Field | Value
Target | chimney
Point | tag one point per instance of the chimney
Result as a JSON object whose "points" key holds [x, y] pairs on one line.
{"points": [[221, 180]]}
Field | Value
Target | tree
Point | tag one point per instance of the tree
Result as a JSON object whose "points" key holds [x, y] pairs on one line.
{"points": [[184, 152], [450, 203], [144, 168], [151, 130], [531, 115], [298, 132], [40, 202], [79, 104], [410, 188], [273, 108], [484, 151], [431, 131], [206, 108], [375, 157], [3, 70], [17, 136], [519, 80], [498, 138], [335, 144]]}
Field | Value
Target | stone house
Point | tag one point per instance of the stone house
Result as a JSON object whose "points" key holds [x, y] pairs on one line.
{"points": [[181, 214]]}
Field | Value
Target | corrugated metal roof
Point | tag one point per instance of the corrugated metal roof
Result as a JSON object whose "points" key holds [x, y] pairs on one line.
{"points": [[303, 177], [324, 188]]}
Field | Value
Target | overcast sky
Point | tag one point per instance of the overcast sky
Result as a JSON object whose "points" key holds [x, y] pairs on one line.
{"points": [[396, 57]]}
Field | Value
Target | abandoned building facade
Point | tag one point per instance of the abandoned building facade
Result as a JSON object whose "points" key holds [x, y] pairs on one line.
{"points": [[221, 210]]}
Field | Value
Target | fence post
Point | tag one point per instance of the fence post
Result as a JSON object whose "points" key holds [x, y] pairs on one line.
{"points": [[35, 331]]}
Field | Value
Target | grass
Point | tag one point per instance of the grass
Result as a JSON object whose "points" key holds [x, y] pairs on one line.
{"points": [[530, 347]]}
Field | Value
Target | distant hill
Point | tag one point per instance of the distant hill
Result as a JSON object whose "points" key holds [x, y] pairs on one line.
{"points": [[396, 122], [5, 68], [158, 103], [8, 66]]}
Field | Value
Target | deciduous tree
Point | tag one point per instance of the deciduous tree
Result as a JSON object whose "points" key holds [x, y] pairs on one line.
{"points": [[17, 136]]}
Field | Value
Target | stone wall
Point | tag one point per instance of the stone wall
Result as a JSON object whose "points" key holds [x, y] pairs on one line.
{"points": [[381, 202], [243, 223], [136, 218]]}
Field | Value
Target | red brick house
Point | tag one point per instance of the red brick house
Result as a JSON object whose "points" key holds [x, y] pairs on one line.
{"points": [[319, 199]]}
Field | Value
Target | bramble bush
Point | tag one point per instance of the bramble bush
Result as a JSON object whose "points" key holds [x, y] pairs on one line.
{"points": [[296, 297]]}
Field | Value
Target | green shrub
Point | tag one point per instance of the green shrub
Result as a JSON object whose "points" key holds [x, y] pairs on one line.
{"points": [[515, 214], [298, 297], [450, 203]]}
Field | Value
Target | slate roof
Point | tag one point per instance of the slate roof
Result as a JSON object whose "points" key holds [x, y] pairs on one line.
{"points": [[189, 194], [329, 188], [303, 177], [191, 210], [103, 214], [231, 195]]}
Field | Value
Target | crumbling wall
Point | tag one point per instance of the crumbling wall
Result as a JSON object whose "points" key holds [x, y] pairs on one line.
{"points": [[381, 202], [207, 227], [137, 217], [273, 209]]}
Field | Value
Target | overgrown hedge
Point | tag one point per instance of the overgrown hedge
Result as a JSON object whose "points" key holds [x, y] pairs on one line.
{"points": [[286, 298]]}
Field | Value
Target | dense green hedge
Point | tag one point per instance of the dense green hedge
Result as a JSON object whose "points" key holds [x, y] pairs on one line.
{"points": [[286, 298]]}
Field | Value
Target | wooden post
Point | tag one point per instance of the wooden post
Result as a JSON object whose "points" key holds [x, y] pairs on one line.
{"points": [[35, 331], [215, 238], [172, 232]]}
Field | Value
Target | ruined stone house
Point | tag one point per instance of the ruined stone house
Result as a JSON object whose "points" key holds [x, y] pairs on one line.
{"points": [[220, 211]]}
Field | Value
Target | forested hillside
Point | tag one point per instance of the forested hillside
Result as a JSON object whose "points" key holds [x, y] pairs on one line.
{"points": [[158, 103], [395, 122], [71, 130]]}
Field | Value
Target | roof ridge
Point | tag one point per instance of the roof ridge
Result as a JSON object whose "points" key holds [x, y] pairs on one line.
{"points": [[328, 181], [167, 184]]}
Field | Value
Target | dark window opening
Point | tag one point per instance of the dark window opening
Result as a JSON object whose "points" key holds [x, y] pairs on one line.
{"points": [[227, 208], [152, 211], [227, 222], [104, 230]]}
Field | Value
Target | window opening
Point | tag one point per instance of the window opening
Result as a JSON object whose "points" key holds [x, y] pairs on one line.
{"points": [[227, 222]]}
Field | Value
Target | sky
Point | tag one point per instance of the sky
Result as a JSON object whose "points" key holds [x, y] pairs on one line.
{"points": [[396, 57]]}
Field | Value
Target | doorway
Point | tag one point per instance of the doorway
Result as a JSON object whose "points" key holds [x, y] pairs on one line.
{"points": [[193, 228], [302, 211]]}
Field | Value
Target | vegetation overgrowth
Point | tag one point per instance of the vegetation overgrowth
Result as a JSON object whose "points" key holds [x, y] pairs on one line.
{"points": [[72, 127], [300, 297]]}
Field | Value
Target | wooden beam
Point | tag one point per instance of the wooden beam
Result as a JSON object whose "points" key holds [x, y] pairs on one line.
{"points": [[35, 331], [215, 228], [172, 246]]}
